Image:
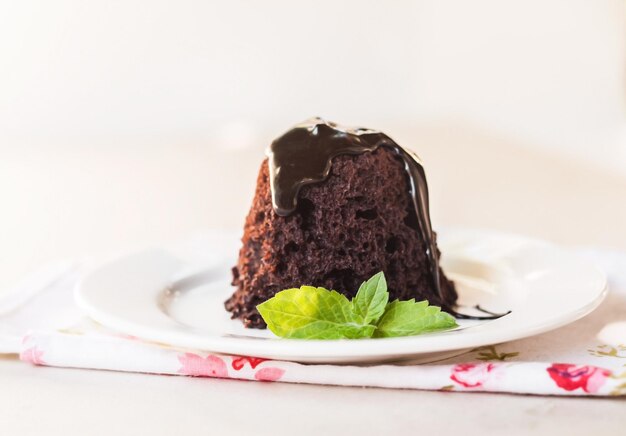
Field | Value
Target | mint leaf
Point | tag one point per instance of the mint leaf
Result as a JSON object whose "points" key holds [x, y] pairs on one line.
{"points": [[406, 318], [317, 313], [312, 313], [371, 299]]}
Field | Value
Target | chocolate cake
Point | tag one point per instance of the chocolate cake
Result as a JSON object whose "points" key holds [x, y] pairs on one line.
{"points": [[333, 206]]}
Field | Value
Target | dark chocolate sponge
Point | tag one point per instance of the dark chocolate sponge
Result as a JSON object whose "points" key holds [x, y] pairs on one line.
{"points": [[357, 222]]}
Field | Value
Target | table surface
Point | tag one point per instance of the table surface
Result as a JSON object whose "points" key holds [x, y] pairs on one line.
{"points": [[74, 202]]}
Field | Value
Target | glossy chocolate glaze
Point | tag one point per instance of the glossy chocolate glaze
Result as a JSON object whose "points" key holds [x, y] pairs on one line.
{"points": [[304, 155]]}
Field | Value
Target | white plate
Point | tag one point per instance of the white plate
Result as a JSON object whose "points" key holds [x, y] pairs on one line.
{"points": [[156, 296]]}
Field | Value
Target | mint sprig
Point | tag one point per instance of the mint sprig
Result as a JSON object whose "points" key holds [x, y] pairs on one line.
{"points": [[316, 313], [313, 313]]}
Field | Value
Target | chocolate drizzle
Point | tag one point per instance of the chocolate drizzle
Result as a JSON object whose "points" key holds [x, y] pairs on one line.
{"points": [[304, 155]]}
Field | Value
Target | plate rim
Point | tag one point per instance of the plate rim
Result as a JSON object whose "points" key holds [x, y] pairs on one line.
{"points": [[351, 350]]}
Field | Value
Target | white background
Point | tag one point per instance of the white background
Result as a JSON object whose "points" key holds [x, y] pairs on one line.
{"points": [[549, 74]]}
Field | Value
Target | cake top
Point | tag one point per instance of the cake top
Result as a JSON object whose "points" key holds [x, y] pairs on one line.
{"points": [[304, 154]]}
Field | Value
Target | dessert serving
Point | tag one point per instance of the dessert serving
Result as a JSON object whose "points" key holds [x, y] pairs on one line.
{"points": [[339, 264], [333, 207]]}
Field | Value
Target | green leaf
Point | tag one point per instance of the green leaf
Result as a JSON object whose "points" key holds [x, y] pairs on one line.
{"points": [[371, 299], [313, 313], [407, 318], [317, 313]]}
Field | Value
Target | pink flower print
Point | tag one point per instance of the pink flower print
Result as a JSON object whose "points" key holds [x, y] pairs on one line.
{"points": [[239, 362], [32, 355], [198, 366], [571, 377], [472, 375], [269, 374]]}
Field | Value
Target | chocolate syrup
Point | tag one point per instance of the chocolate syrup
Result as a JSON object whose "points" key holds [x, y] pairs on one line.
{"points": [[304, 155]]}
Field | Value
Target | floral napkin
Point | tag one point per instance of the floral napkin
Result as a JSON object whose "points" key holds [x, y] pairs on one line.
{"points": [[40, 323]]}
